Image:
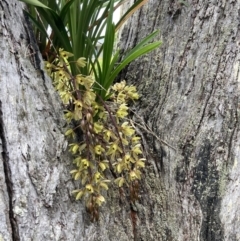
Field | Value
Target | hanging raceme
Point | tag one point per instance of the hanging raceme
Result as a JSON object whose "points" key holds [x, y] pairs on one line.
{"points": [[108, 142]]}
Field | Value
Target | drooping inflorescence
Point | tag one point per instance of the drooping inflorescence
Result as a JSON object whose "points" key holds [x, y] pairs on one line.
{"points": [[102, 140]]}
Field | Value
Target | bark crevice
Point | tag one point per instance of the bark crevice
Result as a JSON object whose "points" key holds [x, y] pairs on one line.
{"points": [[8, 175]]}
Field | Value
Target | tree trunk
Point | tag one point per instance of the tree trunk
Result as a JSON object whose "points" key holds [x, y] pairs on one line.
{"points": [[189, 100]]}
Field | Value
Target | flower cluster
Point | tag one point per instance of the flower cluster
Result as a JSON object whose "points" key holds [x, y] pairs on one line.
{"points": [[108, 143]]}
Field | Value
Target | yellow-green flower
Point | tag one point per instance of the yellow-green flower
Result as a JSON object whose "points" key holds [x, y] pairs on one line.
{"points": [[140, 163], [89, 188], [74, 147], [136, 139], [64, 54], [130, 88], [119, 86], [97, 127], [85, 81], [121, 97], [122, 111], [89, 97], [62, 75], [84, 163], [126, 129], [77, 175], [60, 86], [65, 96], [113, 150], [136, 149], [121, 166], [95, 107], [131, 92], [103, 165], [78, 110], [133, 175], [78, 104], [98, 149], [99, 200], [77, 161], [119, 181], [127, 159], [107, 135], [48, 67], [79, 194], [134, 96], [70, 133], [102, 115], [81, 62], [97, 177]]}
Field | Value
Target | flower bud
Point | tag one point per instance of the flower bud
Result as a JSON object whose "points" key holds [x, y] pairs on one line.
{"points": [[89, 117], [82, 124], [89, 134], [90, 127]]}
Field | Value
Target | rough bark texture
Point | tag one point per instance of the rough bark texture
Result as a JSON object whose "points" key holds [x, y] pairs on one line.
{"points": [[35, 202], [190, 99], [190, 89]]}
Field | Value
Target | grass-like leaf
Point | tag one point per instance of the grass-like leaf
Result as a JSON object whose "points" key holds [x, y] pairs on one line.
{"points": [[35, 3], [86, 29]]}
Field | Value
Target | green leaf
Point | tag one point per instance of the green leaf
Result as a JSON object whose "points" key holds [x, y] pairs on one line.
{"points": [[54, 20], [136, 52], [37, 23], [143, 42], [35, 3], [130, 12], [65, 10]]}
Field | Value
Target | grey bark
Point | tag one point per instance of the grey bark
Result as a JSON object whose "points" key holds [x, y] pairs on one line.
{"points": [[190, 89], [190, 99], [35, 200]]}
